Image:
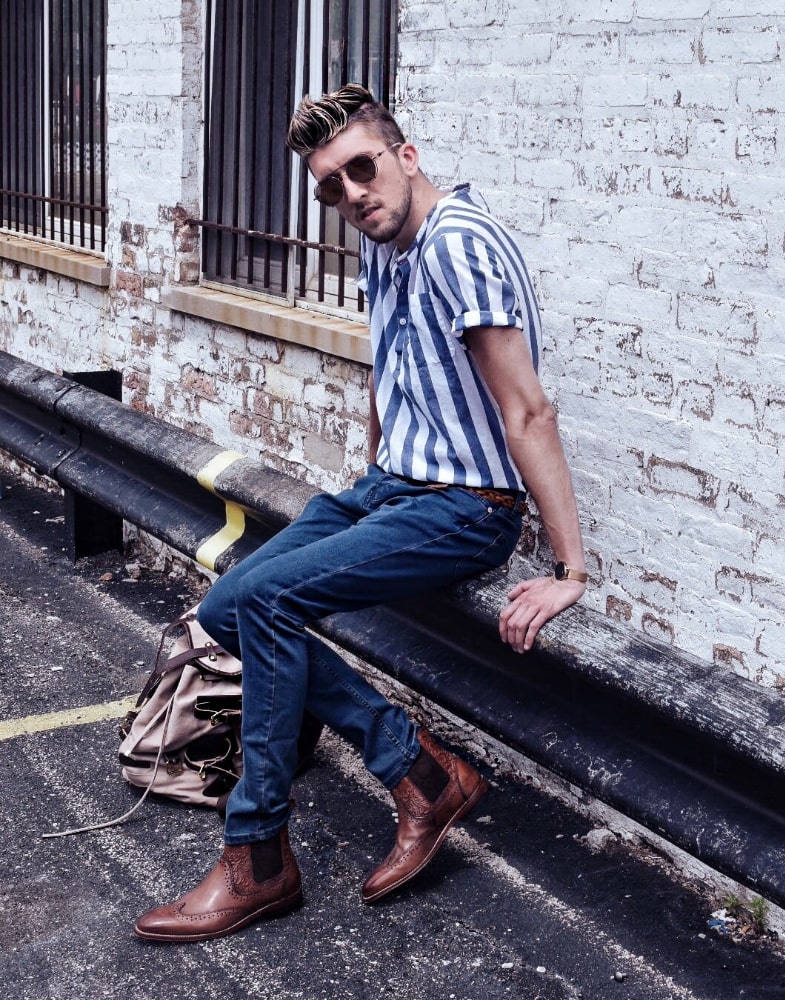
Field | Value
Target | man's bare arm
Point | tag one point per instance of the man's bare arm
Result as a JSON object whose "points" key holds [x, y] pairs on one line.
{"points": [[503, 360]]}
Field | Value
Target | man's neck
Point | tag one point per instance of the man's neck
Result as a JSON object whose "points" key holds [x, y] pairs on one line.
{"points": [[424, 197]]}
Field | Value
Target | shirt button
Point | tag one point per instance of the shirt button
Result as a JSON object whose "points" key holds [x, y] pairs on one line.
{"points": [[402, 322]]}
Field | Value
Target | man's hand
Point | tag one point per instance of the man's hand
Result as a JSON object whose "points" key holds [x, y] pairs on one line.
{"points": [[532, 604]]}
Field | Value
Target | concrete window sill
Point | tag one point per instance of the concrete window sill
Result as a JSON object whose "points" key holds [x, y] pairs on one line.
{"points": [[77, 264], [340, 337]]}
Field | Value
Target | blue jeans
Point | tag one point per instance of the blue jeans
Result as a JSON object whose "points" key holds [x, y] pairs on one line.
{"points": [[379, 541]]}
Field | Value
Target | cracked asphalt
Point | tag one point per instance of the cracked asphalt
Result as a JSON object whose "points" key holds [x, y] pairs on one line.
{"points": [[516, 905]]}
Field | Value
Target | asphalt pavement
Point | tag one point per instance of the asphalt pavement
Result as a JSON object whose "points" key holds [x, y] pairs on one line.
{"points": [[516, 905]]}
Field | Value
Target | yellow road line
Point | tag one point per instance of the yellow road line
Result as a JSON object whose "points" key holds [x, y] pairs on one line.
{"points": [[69, 717]]}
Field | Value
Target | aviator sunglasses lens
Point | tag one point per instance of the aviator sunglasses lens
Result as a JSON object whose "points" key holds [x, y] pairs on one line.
{"points": [[329, 192], [360, 170]]}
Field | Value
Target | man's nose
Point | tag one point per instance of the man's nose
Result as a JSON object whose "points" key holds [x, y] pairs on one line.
{"points": [[353, 192]]}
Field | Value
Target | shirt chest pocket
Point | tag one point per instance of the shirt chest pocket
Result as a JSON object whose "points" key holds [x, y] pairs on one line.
{"points": [[427, 363], [424, 334]]}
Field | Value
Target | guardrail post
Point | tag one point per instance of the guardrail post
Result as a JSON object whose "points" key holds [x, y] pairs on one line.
{"points": [[91, 528]]}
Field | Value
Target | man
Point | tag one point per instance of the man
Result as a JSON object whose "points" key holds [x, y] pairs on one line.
{"points": [[459, 423]]}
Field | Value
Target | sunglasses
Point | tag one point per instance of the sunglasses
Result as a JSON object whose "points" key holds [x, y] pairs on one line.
{"points": [[361, 169]]}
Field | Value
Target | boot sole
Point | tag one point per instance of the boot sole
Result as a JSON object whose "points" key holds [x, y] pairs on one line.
{"points": [[275, 909], [459, 814]]}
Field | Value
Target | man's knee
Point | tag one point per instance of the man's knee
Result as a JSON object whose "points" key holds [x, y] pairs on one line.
{"points": [[257, 590], [212, 613]]}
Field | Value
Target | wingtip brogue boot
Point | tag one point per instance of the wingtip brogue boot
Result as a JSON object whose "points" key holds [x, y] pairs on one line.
{"points": [[439, 790], [250, 881]]}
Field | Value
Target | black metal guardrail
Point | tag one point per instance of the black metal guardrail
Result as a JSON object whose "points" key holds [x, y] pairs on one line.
{"points": [[690, 750]]}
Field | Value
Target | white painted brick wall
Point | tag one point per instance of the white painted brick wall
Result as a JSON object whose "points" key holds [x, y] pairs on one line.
{"points": [[636, 149], [654, 225]]}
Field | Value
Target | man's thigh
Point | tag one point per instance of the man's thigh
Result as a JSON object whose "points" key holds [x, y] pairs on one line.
{"points": [[407, 544]]}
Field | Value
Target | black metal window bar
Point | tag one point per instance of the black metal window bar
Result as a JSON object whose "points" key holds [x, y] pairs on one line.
{"points": [[258, 51], [53, 120]]}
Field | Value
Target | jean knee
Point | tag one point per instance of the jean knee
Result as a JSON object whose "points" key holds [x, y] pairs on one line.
{"points": [[256, 591], [217, 610], [209, 616]]}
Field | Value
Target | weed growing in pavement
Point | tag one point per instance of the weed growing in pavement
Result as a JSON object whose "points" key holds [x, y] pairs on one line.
{"points": [[742, 919], [759, 911]]}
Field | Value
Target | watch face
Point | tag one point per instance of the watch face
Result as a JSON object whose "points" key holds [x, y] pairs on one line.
{"points": [[560, 570]]}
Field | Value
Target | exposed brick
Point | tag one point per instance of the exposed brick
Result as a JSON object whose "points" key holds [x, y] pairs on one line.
{"points": [[697, 399], [132, 234], [680, 479], [187, 272], [198, 383], [127, 281], [727, 656], [620, 611], [657, 628]]}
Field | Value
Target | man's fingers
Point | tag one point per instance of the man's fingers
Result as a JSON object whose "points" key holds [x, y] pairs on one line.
{"points": [[519, 625], [518, 589], [521, 635], [532, 604]]}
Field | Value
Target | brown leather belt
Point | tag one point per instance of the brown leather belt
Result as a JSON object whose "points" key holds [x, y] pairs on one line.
{"points": [[505, 498]]}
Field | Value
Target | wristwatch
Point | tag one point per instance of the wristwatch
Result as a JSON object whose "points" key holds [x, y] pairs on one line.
{"points": [[563, 572]]}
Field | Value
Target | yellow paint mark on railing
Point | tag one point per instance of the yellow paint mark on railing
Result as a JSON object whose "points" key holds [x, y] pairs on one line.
{"points": [[209, 551], [218, 463], [68, 717]]}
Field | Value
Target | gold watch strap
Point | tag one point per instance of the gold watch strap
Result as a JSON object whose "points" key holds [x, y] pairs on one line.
{"points": [[563, 572]]}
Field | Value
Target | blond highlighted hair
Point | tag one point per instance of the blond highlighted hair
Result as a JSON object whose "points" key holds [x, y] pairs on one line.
{"points": [[316, 122]]}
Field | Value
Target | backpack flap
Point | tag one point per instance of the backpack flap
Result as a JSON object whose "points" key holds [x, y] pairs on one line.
{"points": [[207, 655]]}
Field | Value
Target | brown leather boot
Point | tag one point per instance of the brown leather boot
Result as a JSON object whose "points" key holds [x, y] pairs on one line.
{"points": [[424, 822], [238, 891]]}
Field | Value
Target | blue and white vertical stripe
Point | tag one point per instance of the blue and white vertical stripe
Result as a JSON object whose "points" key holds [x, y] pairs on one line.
{"points": [[439, 421]]}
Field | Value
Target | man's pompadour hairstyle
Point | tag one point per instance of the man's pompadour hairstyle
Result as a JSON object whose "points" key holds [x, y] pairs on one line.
{"points": [[316, 122]]}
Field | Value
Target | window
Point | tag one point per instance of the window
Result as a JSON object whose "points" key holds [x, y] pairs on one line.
{"points": [[53, 120], [262, 230]]}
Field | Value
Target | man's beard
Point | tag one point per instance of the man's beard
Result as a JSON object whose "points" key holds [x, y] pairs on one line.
{"points": [[388, 232]]}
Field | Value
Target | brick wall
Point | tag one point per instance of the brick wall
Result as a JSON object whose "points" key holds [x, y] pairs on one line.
{"points": [[636, 149]]}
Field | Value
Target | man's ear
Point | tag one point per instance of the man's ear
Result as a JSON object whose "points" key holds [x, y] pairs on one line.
{"points": [[409, 158]]}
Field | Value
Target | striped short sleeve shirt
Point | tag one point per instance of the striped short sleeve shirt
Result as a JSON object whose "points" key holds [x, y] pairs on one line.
{"points": [[439, 422]]}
